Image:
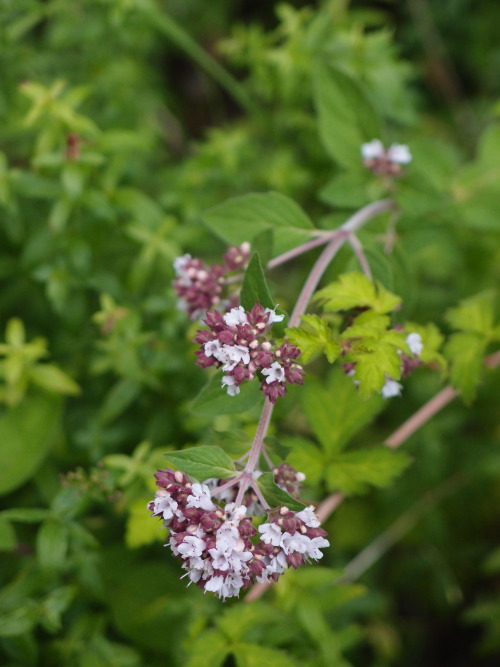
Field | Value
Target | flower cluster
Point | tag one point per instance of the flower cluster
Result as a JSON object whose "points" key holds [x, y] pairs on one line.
{"points": [[238, 343], [200, 287], [383, 160], [215, 545]]}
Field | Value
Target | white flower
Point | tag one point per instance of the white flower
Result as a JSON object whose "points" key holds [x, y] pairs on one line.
{"points": [[180, 264], [191, 547], [212, 347], [297, 542], [391, 388], [227, 537], [317, 543], [274, 372], [399, 153], [271, 533], [200, 497], [234, 513], [232, 389], [414, 342], [231, 355], [372, 150], [272, 315], [236, 316], [308, 517], [166, 506]]}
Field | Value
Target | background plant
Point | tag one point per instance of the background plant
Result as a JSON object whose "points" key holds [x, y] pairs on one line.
{"points": [[119, 137]]}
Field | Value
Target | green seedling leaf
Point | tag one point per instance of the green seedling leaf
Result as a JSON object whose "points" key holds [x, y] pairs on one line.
{"points": [[209, 648], [213, 399], [475, 314], [275, 496], [52, 378], [254, 286], [355, 290], [353, 472], [241, 218], [202, 462], [375, 359]]}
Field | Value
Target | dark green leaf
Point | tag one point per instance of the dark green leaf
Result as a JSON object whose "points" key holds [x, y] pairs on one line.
{"points": [[202, 462], [213, 400], [52, 545], [254, 286], [275, 496]]}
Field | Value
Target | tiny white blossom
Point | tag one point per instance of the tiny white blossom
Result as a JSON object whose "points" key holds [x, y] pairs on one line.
{"points": [[308, 517], [414, 341], [236, 316], [317, 543], [271, 533], [274, 372], [191, 547], [234, 513], [212, 348], [180, 264], [295, 543], [231, 355], [200, 497], [166, 506], [372, 150], [272, 315], [232, 389], [227, 537], [399, 153], [391, 388]]}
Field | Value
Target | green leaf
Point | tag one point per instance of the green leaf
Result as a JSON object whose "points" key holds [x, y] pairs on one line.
{"points": [[235, 443], [210, 648], [346, 116], [313, 336], [18, 622], [52, 378], [373, 365], [306, 457], [25, 514], [275, 496], [241, 218], [52, 545], [475, 314], [254, 286], [27, 432], [348, 189], [8, 538], [336, 412], [118, 399], [432, 339], [139, 531], [254, 655], [238, 622], [202, 462], [355, 290], [353, 472], [213, 400], [274, 446], [263, 243], [465, 352]]}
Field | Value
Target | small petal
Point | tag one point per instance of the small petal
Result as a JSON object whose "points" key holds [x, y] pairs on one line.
{"points": [[372, 150], [391, 388], [414, 342], [399, 153]]}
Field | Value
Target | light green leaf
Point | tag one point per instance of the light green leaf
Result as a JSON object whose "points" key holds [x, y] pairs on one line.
{"points": [[275, 496], [27, 432], [346, 116], [336, 412], [353, 472], [255, 287], [139, 530], [210, 648], [254, 655], [52, 378], [475, 314], [375, 360], [306, 457], [239, 621], [241, 218], [213, 400], [202, 462], [465, 352], [313, 336], [25, 514], [355, 290]]}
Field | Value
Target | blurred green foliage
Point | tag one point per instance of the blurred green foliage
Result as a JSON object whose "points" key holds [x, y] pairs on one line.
{"points": [[124, 125]]}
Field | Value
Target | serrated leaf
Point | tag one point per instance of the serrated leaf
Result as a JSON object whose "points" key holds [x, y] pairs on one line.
{"points": [[355, 290], [346, 116], [306, 457], [254, 655], [373, 365], [254, 287], [432, 339], [336, 412], [239, 219], [475, 314], [213, 400], [202, 462], [465, 352], [275, 496], [210, 648], [353, 472], [313, 336]]}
